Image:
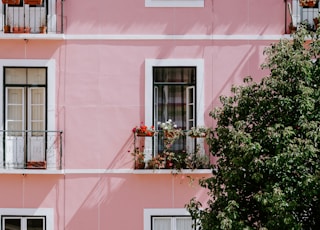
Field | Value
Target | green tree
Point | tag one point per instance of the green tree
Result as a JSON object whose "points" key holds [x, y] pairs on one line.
{"points": [[267, 143]]}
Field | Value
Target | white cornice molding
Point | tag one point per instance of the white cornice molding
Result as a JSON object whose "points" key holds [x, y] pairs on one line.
{"points": [[172, 37], [101, 171], [138, 37]]}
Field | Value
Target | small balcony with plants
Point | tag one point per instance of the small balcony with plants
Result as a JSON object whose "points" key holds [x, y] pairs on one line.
{"points": [[43, 17], [302, 12], [21, 150], [164, 139]]}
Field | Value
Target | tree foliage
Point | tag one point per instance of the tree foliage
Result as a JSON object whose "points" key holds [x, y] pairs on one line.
{"points": [[267, 142]]}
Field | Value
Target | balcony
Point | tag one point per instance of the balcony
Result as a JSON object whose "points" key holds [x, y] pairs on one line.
{"points": [[23, 18], [30, 150], [301, 12]]}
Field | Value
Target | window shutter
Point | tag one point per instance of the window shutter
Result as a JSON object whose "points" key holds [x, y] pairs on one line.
{"points": [[190, 116], [190, 108], [155, 116], [14, 109]]}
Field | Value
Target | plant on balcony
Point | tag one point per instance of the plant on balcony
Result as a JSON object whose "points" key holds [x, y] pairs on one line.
{"points": [[197, 160], [171, 132], [156, 162], [308, 3], [143, 130], [198, 132], [139, 156], [175, 160], [11, 2]]}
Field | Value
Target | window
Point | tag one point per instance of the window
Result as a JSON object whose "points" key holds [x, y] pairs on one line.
{"points": [[25, 109], [174, 90], [168, 219], [174, 3], [26, 219], [29, 139]]}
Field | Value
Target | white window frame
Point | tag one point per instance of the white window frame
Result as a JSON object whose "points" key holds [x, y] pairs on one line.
{"points": [[149, 212], [51, 106], [29, 212], [174, 3], [149, 64]]}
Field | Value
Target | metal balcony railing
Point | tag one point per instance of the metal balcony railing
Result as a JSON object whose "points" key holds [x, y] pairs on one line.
{"points": [[47, 17], [31, 149]]}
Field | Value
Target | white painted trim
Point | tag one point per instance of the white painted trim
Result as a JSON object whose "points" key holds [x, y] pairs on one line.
{"points": [[102, 171], [51, 89], [173, 37], [47, 212], [174, 3], [141, 37], [149, 64], [148, 212]]}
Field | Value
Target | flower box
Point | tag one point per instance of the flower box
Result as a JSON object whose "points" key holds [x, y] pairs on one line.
{"points": [[308, 3], [33, 2], [143, 131], [36, 165], [11, 2]]}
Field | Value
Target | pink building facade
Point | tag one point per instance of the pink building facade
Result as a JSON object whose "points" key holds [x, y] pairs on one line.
{"points": [[72, 94]]}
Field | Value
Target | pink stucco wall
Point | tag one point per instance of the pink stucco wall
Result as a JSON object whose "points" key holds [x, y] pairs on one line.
{"points": [[100, 98]]}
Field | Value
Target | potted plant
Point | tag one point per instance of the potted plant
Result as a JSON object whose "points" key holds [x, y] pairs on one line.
{"points": [[316, 23], [43, 29], [156, 162], [6, 28], [170, 132], [198, 132], [139, 156], [18, 29], [11, 2], [144, 131]]}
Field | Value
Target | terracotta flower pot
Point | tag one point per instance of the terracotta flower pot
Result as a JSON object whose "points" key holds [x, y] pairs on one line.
{"points": [[6, 29], [43, 29], [139, 165], [27, 30], [18, 30]]}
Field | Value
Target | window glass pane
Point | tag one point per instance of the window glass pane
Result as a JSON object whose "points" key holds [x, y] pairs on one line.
{"points": [[184, 223], [175, 74], [14, 115], [15, 75], [161, 223], [15, 96], [12, 223], [37, 76], [35, 224]]}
